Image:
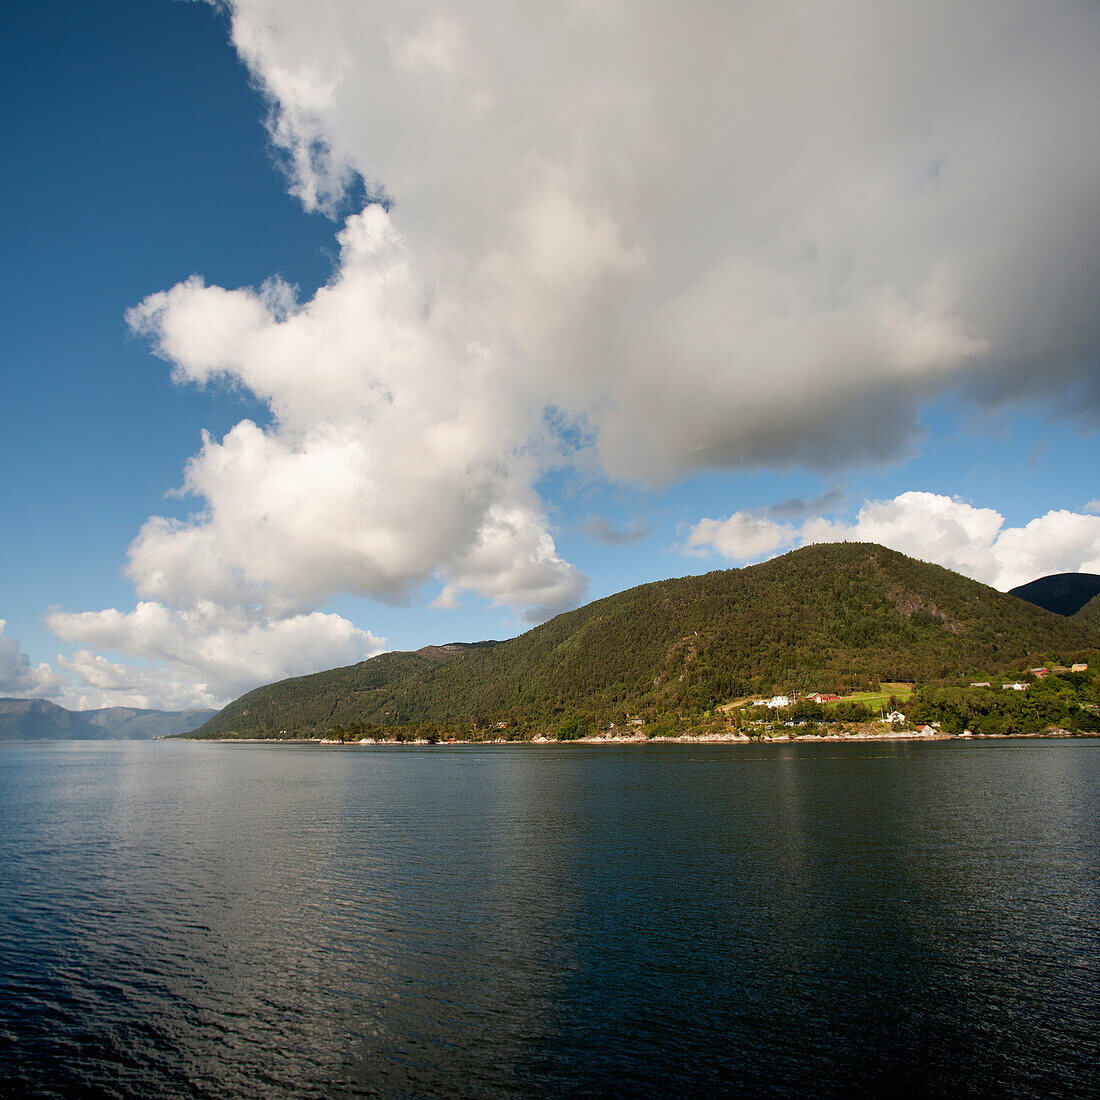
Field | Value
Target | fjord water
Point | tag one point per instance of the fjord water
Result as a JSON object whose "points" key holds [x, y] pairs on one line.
{"points": [[246, 920]]}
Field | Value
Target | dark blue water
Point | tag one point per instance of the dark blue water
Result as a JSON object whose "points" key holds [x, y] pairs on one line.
{"points": [[220, 920]]}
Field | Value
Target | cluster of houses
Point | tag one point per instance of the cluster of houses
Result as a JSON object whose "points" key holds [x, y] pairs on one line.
{"points": [[776, 702], [1038, 673]]}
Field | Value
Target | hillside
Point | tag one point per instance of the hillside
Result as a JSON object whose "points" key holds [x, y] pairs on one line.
{"points": [[37, 720], [830, 617], [1089, 615], [1062, 593]]}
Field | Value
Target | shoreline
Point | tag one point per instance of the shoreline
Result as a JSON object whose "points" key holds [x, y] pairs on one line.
{"points": [[682, 739]]}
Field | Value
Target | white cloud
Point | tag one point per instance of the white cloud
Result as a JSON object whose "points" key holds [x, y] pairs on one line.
{"points": [[19, 678], [400, 450], [730, 235], [952, 533], [741, 536], [1093, 507], [202, 656]]}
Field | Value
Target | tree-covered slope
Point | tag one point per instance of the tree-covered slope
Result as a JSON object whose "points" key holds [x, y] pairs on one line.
{"points": [[1062, 593], [1089, 615], [831, 617]]}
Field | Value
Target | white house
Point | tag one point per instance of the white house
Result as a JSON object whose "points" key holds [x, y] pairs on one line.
{"points": [[777, 701]]}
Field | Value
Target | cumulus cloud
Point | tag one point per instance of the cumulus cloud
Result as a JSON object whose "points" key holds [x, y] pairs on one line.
{"points": [[202, 656], [731, 235], [398, 452], [973, 541], [18, 677]]}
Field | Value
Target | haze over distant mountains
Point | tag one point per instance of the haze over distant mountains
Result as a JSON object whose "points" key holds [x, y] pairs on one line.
{"points": [[829, 617], [37, 719]]}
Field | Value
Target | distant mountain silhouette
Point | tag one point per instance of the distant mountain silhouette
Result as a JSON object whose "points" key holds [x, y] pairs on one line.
{"points": [[38, 720], [1062, 593]]}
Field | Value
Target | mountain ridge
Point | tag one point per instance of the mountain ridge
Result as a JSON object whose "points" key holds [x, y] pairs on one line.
{"points": [[39, 719]]}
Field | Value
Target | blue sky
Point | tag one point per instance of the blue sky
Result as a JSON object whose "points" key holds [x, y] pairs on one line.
{"points": [[611, 326]]}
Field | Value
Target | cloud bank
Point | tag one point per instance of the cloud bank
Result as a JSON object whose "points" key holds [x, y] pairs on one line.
{"points": [[952, 533], [729, 235]]}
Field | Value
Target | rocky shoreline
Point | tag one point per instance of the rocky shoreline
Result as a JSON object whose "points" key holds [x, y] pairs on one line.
{"points": [[855, 736]]}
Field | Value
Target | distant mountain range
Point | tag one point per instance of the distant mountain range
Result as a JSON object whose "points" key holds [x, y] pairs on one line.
{"points": [[1062, 593], [822, 618], [37, 719]]}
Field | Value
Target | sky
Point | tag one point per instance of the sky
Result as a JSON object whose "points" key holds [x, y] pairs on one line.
{"points": [[339, 328]]}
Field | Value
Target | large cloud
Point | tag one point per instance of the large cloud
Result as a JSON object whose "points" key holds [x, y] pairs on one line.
{"points": [[400, 448], [973, 541], [731, 234], [202, 656]]}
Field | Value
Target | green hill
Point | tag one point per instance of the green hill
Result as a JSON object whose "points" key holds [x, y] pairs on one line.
{"points": [[830, 618], [1089, 615]]}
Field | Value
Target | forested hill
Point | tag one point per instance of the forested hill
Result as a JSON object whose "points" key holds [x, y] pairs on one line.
{"points": [[1089, 615], [828, 618]]}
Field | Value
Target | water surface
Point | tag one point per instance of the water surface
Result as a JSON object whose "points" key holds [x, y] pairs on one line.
{"points": [[245, 920]]}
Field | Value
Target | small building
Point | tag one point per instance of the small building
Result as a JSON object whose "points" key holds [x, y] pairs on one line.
{"points": [[1081, 666], [1018, 686], [1039, 673], [824, 697], [777, 701], [981, 684]]}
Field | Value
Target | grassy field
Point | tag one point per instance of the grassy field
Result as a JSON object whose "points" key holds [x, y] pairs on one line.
{"points": [[881, 698], [873, 699], [725, 707]]}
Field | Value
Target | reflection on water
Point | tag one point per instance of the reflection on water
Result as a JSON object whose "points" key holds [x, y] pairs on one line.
{"points": [[218, 920]]}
